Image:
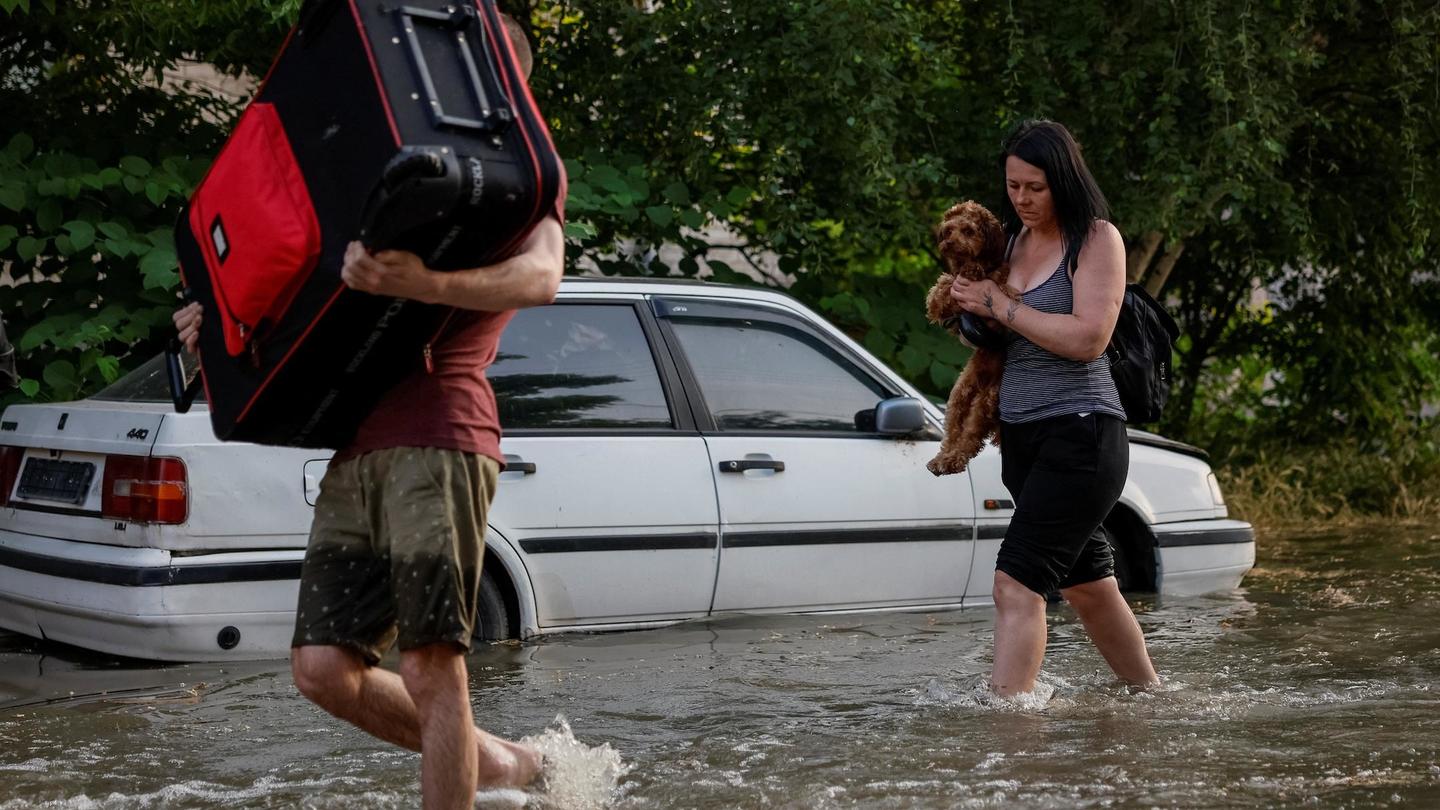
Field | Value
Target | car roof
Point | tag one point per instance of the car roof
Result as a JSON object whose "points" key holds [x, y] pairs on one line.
{"points": [[602, 285]]}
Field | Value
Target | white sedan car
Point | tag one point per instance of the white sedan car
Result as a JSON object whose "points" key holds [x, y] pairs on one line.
{"points": [[675, 450]]}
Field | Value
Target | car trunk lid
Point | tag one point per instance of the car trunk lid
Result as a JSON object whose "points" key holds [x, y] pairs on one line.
{"points": [[61, 457]]}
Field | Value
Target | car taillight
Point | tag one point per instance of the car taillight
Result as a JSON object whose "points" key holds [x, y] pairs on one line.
{"points": [[10, 458], [145, 489]]}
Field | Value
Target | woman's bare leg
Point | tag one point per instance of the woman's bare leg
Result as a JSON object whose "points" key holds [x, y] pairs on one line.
{"points": [[1112, 626], [1019, 636]]}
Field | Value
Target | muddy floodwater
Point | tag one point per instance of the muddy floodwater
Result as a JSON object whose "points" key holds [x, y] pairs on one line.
{"points": [[1316, 684]]}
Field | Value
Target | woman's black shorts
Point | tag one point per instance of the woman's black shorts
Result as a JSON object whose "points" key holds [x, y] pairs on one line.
{"points": [[1065, 474]]}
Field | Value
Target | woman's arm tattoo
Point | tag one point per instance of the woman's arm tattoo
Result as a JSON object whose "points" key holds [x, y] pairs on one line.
{"points": [[990, 303], [1011, 310]]}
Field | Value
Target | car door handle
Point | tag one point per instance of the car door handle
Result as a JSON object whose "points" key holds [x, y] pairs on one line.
{"points": [[516, 464], [741, 465]]}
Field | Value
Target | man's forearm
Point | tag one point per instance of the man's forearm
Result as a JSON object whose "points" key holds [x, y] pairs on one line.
{"points": [[522, 281], [528, 279]]}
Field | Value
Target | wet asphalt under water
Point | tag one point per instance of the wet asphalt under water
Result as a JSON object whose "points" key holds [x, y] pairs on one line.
{"points": [[1315, 684]]}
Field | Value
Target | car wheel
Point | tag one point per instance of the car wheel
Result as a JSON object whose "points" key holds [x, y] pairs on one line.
{"points": [[492, 622], [1124, 567]]}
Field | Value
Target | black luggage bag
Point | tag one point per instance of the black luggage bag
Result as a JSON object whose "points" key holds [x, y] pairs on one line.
{"points": [[406, 125]]}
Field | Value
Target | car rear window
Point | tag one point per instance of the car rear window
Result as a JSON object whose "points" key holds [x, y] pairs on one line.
{"points": [[148, 383]]}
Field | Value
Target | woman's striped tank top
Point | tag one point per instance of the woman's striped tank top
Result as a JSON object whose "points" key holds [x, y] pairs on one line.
{"points": [[1039, 384]]}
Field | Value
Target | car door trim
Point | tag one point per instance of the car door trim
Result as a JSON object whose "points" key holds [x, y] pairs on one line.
{"points": [[642, 542], [1163, 539], [1204, 537], [826, 537], [991, 531]]}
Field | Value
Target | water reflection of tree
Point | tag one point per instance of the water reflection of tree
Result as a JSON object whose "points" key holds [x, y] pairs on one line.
{"points": [[530, 400], [780, 420]]}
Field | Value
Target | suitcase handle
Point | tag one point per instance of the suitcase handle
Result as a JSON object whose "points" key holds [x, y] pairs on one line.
{"points": [[411, 165], [417, 187], [495, 115]]}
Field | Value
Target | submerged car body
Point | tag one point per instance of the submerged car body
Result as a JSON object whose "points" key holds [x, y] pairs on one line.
{"points": [[675, 450]]}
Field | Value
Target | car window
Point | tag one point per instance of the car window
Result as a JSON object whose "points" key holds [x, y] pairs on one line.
{"points": [[577, 366], [148, 383], [762, 374]]}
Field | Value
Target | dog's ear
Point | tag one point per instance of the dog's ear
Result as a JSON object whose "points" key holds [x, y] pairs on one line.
{"points": [[993, 238], [945, 242]]}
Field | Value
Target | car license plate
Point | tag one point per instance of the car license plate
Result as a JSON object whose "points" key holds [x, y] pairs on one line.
{"points": [[49, 479]]}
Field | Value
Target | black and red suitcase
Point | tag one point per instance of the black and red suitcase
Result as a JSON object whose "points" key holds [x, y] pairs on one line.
{"points": [[405, 125]]}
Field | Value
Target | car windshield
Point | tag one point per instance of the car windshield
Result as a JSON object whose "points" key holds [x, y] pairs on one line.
{"points": [[148, 383]]}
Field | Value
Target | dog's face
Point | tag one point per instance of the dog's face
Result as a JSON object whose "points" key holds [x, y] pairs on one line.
{"points": [[971, 241]]}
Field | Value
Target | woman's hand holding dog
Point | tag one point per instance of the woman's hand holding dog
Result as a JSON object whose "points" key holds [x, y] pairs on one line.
{"points": [[984, 298]]}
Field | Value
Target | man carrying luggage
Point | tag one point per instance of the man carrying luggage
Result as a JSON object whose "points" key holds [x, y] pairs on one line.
{"points": [[397, 540]]}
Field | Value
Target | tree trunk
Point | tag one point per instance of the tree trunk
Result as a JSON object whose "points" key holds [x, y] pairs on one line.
{"points": [[1138, 259], [1205, 334], [1155, 282]]}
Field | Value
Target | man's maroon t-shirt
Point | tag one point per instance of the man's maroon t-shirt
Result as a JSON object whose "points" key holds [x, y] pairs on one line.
{"points": [[450, 405]]}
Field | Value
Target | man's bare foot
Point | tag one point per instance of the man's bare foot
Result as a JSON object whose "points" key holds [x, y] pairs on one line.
{"points": [[505, 764]]}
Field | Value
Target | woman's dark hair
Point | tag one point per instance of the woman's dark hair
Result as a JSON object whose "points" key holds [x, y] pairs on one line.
{"points": [[1077, 197]]}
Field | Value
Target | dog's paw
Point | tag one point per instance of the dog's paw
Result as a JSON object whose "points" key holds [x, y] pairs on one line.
{"points": [[937, 467]]}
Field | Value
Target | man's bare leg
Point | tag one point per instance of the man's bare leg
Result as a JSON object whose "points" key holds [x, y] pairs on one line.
{"points": [[1114, 630], [338, 680], [435, 677], [1019, 636]]}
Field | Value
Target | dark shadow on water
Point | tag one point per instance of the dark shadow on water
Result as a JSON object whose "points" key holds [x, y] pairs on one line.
{"points": [[39, 672]]}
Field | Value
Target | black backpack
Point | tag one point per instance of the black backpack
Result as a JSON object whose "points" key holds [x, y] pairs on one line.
{"points": [[1139, 354]]}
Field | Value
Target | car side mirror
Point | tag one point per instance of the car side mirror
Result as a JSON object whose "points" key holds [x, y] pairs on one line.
{"points": [[899, 416]]}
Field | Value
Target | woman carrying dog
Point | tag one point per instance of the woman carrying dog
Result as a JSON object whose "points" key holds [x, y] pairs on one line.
{"points": [[1064, 451]]}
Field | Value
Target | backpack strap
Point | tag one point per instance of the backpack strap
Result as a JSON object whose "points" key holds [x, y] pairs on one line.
{"points": [[1072, 261]]}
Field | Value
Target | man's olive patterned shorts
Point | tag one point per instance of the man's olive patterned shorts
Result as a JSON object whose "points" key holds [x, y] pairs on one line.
{"points": [[395, 551]]}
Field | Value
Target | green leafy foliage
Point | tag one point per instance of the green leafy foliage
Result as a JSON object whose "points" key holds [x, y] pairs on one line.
{"points": [[103, 146], [1281, 200], [1270, 166]]}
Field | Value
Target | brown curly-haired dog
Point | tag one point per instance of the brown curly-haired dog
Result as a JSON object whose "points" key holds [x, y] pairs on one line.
{"points": [[972, 245]]}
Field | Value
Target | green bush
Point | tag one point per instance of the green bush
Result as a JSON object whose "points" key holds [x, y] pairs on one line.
{"points": [[1345, 479]]}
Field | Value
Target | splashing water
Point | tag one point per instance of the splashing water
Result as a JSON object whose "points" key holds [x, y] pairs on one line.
{"points": [[577, 776], [973, 691]]}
